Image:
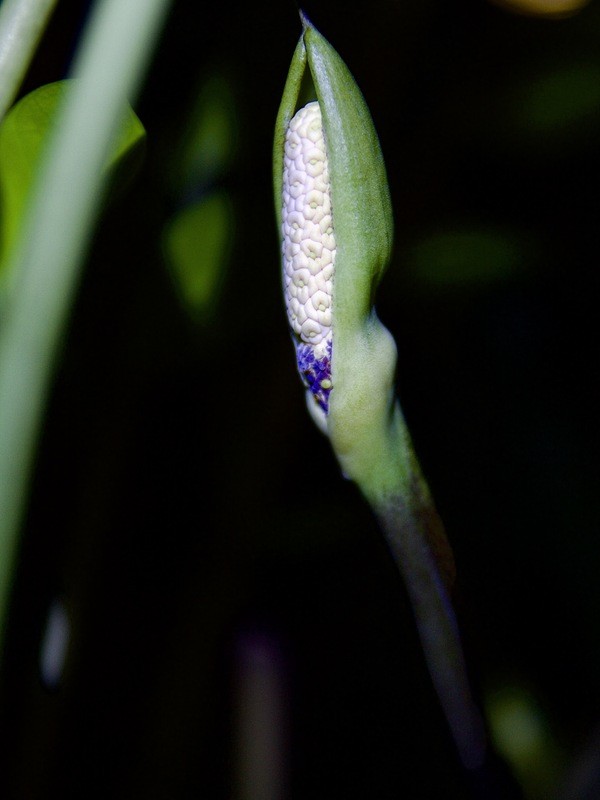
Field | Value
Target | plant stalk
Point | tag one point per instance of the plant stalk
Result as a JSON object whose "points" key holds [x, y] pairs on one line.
{"points": [[22, 23], [416, 538]]}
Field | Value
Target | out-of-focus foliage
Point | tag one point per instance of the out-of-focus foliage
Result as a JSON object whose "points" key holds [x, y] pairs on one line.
{"points": [[46, 262], [462, 256], [209, 138], [543, 8], [24, 135], [558, 103], [522, 733], [197, 244], [198, 239]]}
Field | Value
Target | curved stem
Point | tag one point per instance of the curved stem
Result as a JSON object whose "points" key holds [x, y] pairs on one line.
{"points": [[22, 23], [436, 623], [417, 540]]}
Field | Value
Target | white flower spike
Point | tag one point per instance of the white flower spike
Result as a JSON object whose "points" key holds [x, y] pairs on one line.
{"points": [[308, 250]]}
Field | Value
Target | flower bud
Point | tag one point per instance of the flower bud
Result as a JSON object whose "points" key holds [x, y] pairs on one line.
{"points": [[334, 217], [335, 221]]}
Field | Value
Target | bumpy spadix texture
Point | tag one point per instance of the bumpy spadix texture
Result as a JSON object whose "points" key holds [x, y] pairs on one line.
{"points": [[309, 249]]}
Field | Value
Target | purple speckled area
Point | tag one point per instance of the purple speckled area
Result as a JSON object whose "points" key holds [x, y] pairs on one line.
{"points": [[314, 371]]}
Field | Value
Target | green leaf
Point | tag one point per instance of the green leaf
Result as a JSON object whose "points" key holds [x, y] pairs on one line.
{"points": [[197, 244], [24, 136]]}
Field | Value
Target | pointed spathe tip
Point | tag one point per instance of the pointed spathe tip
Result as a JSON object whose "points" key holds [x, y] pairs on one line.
{"points": [[306, 23]]}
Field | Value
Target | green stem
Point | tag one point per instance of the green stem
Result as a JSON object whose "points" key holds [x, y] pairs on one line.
{"points": [[417, 540], [22, 23], [109, 66]]}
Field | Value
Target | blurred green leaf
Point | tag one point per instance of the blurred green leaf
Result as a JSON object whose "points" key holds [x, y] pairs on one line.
{"points": [[522, 734], [197, 245], [467, 256], [543, 8], [24, 134], [209, 139], [558, 101]]}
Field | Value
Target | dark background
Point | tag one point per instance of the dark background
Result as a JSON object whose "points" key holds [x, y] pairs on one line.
{"points": [[185, 506]]}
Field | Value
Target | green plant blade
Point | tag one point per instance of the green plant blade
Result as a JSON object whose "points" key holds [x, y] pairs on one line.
{"points": [[46, 261], [24, 134], [22, 24]]}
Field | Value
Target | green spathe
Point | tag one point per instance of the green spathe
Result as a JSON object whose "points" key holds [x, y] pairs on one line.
{"points": [[361, 405]]}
